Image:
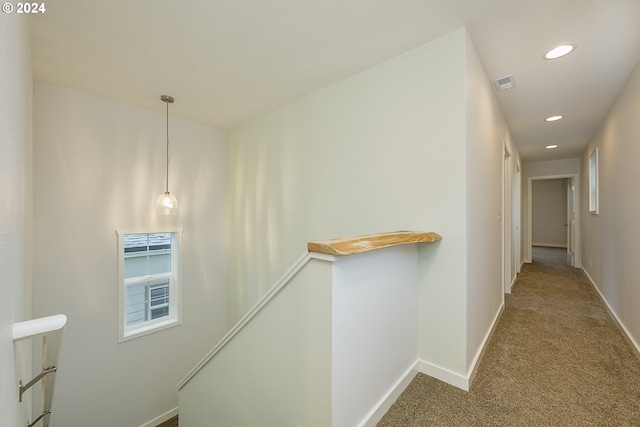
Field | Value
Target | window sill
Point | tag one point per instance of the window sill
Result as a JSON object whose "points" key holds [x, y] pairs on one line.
{"points": [[149, 329]]}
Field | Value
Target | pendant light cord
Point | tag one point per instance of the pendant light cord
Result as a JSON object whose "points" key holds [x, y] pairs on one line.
{"points": [[167, 189], [167, 100]]}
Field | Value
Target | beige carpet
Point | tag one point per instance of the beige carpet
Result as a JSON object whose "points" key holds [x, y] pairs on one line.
{"points": [[555, 359], [173, 422]]}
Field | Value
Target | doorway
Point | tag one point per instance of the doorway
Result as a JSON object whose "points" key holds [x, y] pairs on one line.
{"points": [[570, 222]]}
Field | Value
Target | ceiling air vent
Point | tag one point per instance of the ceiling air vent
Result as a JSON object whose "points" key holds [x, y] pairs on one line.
{"points": [[505, 83]]}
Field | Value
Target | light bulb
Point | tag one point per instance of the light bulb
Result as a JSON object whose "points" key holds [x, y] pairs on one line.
{"points": [[167, 204], [560, 51]]}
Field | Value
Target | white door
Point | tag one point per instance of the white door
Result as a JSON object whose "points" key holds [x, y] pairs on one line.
{"points": [[516, 220], [506, 218], [571, 220]]}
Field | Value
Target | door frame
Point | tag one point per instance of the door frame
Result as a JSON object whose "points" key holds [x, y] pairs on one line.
{"points": [[577, 232], [510, 218]]}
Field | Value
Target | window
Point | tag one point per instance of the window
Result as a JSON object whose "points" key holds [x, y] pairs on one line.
{"points": [[149, 282], [593, 182]]}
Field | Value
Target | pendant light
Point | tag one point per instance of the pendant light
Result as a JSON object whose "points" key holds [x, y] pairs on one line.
{"points": [[167, 204]]}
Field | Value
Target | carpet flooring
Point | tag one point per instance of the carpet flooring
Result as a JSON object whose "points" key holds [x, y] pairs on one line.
{"points": [[555, 359], [173, 422]]}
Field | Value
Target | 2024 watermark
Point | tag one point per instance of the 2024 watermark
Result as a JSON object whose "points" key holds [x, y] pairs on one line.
{"points": [[24, 8]]}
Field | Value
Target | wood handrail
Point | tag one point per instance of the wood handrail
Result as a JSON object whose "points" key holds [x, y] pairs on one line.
{"points": [[355, 245]]}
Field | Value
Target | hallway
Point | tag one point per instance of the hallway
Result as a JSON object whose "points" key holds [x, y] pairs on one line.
{"points": [[556, 358]]}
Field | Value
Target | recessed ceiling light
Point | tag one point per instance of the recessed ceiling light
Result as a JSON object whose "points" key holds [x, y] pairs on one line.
{"points": [[552, 146], [553, 118], [559, 51]]}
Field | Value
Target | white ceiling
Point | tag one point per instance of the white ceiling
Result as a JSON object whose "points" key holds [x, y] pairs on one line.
{"points": [[227, 61]]}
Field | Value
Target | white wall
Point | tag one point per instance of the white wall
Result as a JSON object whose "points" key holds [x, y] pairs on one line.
{"points": [[368, 154], [551, 168], [610, 249], [549, 212], [413, 143], [374, 330], [15, 210], [276, 371], [486, 131], [326, 349], [99, 166]]}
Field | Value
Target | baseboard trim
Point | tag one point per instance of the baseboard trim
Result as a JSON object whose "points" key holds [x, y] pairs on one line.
{"points": [[422, 366], [453, 378], [471, 373], [513, 282], [550, 245], [381, 408], [162, 418], [443, 374], [613, 316]]}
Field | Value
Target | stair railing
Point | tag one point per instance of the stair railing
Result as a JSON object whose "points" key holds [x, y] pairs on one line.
{"points": [[51, 329]]}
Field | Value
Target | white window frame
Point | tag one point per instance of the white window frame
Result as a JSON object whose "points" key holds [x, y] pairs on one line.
{"points": [[174, 318]]}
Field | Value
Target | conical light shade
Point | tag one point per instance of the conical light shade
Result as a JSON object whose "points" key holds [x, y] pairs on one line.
{"points": [[167, 204]]}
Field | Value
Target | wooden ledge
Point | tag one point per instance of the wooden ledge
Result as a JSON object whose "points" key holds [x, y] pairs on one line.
{"points": [[356, 245]]}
